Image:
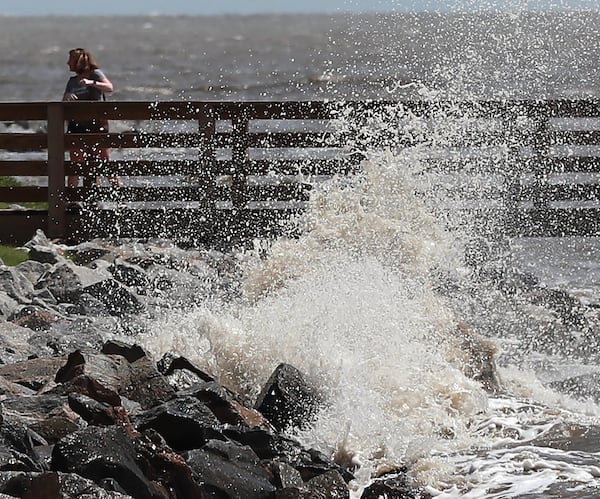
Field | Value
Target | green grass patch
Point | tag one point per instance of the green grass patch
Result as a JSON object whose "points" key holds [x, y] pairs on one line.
{"points": [[12, 256], [9, 182], [13, 182]]}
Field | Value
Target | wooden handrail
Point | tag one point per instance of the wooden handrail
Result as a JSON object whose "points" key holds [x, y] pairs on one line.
{"points": [[225, 146]]}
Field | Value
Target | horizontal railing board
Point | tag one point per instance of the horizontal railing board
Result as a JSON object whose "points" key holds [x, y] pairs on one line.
{"points": [[23, 141], [23, 111], [208, 195], [138, 194], [195, 140], [193, 224], [143, 110], [556, 222], [574, 164], [268, 140], [310, 166], [133, 140], [574, 137], [584, 108], [23, 194], [561, 192], [158, 168], [136, 168], [23, 168]]}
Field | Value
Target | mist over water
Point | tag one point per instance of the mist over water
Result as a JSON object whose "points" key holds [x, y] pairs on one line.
{"points": [[375, 301]]}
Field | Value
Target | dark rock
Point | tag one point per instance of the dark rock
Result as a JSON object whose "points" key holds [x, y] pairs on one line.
{"points": [[393, 485], [43, 298], [101, 453], [167, 468], [329, 485], [48, 415], [89, 306], [146, 385], [98, 413], [92, 411], [291, 493], [63, 282], [170, 363], [224, 405], [8, 305], [117, 299], [15, 285], [287, 400], [43, 254], [230, 470], [88, 386], [86, 253], [8, 388], [312, 463], [269, 445], [112, 372], [129, 274], [130, 352], [184, 423], [38, 239], [33, 373], [17, 447], [66, 336], [14, 343], [32, 270], [34, 318], [286, 476]]}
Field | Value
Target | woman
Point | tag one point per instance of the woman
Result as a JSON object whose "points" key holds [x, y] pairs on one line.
{"points": [[89, 83]]}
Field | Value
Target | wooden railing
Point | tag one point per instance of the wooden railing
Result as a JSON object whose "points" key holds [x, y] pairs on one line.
{"points": [[229, 171]]}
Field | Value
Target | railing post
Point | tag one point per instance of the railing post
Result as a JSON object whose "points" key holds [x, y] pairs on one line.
{"points": [[57, 220], [512, 177], [207, 130], [239, 193], [541, 153]]}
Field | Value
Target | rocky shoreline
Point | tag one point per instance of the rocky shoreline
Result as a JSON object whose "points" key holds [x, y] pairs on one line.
{"points": [[86, 415]]}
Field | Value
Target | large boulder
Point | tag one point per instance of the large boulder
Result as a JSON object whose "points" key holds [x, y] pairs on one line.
{"points": [[48, 415], [392, 484], [117, 299], [62, 281], [184, 423], [14, 343], [32, 373], [103, 452], [147, 386], [112, 372], [52, 485], [287, 400], [15, 285], [230, 470]]}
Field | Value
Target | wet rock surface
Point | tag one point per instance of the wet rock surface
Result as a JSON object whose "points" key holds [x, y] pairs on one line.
{"points": [[86, 415]]}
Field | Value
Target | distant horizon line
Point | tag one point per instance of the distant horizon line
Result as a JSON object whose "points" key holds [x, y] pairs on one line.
{"points": [[557, 9]]}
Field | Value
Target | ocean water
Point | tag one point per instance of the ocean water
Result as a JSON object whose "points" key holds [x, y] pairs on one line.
{"points": [[375, 300]]}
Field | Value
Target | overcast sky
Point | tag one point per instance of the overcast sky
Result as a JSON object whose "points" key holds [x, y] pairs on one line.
{"points": [[207, 7]]}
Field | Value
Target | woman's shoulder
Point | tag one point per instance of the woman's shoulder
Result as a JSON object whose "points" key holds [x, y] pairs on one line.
{"points": [[97, 74]]}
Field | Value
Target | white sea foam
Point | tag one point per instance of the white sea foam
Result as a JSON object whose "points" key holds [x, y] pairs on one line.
{"points": [[353, 304]]}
